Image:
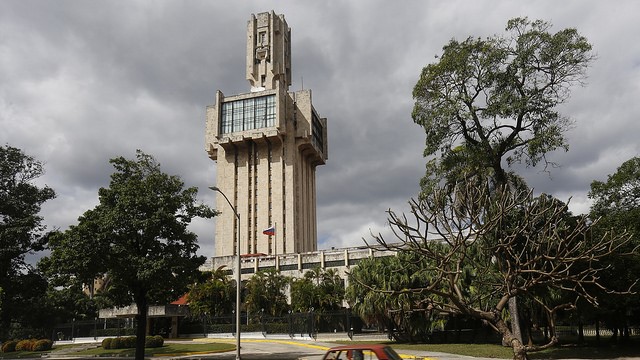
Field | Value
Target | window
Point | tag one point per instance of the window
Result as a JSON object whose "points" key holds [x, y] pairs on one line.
{"points": [[317, 137], [248, 114]]}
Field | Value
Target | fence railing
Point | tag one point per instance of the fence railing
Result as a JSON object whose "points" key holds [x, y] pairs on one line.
{"points": [[94, 328], [303, 324]]}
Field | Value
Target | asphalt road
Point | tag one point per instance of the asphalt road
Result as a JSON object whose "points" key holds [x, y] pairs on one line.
{"points": [[283, 349], [253, 349]]}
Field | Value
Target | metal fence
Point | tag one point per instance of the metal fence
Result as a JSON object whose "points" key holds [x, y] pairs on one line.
{"points": [[93, 328], [303, 324], [292, 323]]}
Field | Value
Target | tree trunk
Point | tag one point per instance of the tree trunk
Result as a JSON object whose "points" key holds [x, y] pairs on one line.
{"points": [[580, 330], [515, 319], [141, 329], [519, 350]]}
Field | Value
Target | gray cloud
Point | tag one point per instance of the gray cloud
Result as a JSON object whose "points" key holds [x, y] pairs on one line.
{"points": [[82, 82]]}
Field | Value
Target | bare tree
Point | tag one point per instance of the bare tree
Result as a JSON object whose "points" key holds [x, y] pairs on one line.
{"points": [[484, 247]]}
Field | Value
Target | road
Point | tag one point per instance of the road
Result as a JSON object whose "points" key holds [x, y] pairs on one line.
{"points": [[258, 349]]}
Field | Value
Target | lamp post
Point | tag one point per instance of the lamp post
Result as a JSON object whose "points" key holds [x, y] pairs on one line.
{"points": [[238, 269]]}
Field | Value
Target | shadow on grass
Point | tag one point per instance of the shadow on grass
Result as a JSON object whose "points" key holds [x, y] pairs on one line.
{"points": [[604, 349]]}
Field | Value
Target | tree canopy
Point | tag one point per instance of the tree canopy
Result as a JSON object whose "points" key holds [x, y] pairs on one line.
{"points": [[213, 297], [266, 293], [319, 289], [404, 313], [138, 236], [21, 228], [489, 100], [616, 206]]}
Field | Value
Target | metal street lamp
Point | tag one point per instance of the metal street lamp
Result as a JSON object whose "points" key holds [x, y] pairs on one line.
{"points": [[238, 269]]}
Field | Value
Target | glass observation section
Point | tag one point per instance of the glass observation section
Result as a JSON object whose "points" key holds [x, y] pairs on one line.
{"points": [[248, 114]]}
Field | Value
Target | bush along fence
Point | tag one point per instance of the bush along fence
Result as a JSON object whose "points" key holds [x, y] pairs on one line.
{"points": [[130, 342], [26, 345]]}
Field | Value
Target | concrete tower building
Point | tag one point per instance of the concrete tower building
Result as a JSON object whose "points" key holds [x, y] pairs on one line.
{"points": [[267, 144]]}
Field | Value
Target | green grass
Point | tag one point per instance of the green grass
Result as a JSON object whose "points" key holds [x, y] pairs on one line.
{"points": [[477, 350], [30, 354], [171, 349], [166, 350], [22, 354]]}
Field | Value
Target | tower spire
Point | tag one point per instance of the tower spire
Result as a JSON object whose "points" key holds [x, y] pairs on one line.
{"points": [[268, 52]]}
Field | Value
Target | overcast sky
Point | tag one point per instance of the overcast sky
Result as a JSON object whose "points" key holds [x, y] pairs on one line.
{"points": [[85, 81]]}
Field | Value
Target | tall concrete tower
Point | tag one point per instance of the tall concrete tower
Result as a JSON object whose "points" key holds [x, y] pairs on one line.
{"points": [[267, 144]]}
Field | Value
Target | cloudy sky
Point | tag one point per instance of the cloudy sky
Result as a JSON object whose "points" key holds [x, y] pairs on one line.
{"points": [[85, 81]]}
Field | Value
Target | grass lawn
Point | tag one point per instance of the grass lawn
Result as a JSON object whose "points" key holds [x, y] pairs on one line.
{"points": [[30, 354], [170, 349], [22, 354]]}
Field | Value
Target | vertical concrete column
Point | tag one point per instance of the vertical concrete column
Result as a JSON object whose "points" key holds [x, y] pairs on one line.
{"points": [[174, 327]]}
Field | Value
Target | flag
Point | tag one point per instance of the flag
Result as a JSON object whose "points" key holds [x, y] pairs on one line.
{"points": [[269, 231]]}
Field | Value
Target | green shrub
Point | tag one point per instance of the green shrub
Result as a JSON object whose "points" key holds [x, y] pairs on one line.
{"points": [[128, 342], [25, 345], [116, 343], [115, 332], [42, 345], [153, 341], [9, 346]]}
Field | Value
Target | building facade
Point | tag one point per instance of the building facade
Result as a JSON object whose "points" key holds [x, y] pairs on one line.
{"points": [[267, 144]]}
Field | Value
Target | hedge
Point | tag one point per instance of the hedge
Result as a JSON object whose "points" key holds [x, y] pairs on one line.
{"points": [[27, 345], [130, 342], [9, 346]]}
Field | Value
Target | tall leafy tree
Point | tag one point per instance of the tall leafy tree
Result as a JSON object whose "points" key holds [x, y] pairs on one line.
{"points": [[21, 228], [139, 231], [405, 314], [616, 204], [64, 267], [487, 104], [266, 293], [215, 296], [490, 101], [320, 289]]}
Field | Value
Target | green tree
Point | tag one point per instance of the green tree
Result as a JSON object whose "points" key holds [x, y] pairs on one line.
{"points": [[64, 267], [214, 297], [319, 289], [486, 101], [490, 101], [140, 226], [21, 228], [616, 203], [266, 293], [375, 293]]}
